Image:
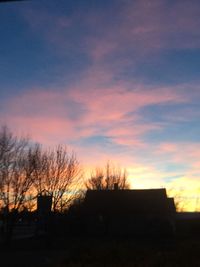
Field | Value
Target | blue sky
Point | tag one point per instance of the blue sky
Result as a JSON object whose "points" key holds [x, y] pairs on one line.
{"points": [[113, 80]]}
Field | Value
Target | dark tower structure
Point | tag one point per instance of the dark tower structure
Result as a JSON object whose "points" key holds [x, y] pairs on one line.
{"points": [[44, 203]]}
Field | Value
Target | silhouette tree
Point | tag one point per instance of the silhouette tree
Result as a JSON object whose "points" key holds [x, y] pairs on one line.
{"points": [[15, 170], [15, 176], [105, 178], [180, 200], [57, 172]]}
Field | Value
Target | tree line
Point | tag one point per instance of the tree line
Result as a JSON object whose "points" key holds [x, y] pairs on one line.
{"points": [[28, 170]]}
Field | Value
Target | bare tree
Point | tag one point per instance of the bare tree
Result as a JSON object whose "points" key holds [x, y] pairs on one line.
{"points": [[180, 200], [57, 172], [105, 178], [15, 170], [15, 177]]}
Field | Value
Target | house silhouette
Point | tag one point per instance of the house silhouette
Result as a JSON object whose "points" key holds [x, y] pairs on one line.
{"points": [[137, 212]]}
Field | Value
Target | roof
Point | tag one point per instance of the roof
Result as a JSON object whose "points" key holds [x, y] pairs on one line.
{"points": [[172, 206], [140, 201]]}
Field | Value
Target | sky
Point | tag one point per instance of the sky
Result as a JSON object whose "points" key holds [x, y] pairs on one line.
{"points": [[112, 80]]}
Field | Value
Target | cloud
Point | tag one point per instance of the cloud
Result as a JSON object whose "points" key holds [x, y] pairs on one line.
{"points": [[185, 152], [144, 28], [69, 115], [140, 34], [160, 24], [137, 29], [87, 109], [46, 23]]}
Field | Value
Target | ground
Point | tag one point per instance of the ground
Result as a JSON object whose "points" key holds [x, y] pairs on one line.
{"points": [[117, 252]]}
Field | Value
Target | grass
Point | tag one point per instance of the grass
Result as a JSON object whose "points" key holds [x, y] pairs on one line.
{"points": [[132, 253], [95, 252]]}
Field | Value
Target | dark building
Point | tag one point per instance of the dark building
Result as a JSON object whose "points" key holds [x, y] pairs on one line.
{"points": [[188, 224], [137, 212]]}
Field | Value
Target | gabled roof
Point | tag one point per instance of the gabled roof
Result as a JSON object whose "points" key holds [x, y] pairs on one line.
{"points": [[143, 201]]}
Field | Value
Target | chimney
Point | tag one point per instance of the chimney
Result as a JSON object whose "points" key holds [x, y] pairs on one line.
{"points": [[116, 186]]}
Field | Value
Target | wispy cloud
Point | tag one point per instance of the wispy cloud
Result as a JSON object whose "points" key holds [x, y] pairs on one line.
{"points": [[139, 26], [89, 109]]}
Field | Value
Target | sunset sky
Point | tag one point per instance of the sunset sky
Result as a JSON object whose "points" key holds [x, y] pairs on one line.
{"points": [[114, 80]]}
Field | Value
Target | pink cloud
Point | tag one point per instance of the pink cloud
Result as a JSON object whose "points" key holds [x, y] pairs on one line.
{"points": [[159, 24], [168, 148], [46, 130], [143, 28], [185, 153], [89, 109], [120, 100], [113, 110]]}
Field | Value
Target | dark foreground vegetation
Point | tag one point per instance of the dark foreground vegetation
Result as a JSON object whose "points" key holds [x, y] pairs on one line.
{"points": [[65, 244], [103, 252]]}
